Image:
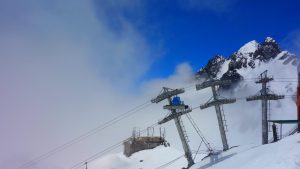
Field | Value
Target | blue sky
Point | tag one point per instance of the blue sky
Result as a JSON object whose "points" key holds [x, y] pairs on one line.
{"points": [[194, 31]]}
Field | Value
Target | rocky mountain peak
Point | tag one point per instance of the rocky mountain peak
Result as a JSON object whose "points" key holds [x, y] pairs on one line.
{"points": [[249, 56]]}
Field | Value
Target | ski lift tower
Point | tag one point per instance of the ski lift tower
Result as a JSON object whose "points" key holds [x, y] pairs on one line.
{"points": [[217, 103], [264, 96], [177, 108]]}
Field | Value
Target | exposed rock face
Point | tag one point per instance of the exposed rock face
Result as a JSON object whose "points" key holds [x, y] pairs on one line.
{"points": [[267, 50], [244, 56], [237, 62], [212, 68], [247, 57], [232, 75]]}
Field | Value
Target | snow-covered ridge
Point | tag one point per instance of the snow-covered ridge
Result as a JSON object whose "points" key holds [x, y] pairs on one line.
{"points": [[250, 56], [249, 47]]}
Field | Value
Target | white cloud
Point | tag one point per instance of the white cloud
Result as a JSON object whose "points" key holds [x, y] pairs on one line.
{"points": [[182, 76], [75, 25], [63, 71]]}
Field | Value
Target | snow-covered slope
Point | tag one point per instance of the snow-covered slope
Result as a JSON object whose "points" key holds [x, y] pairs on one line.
{"points": [[248, 48], [147, 159], [284, 154]]}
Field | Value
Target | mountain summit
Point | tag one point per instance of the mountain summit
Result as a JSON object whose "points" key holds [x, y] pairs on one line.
{"points": [[249, 56]]}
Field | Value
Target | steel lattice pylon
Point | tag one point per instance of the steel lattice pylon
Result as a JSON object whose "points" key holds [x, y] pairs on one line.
{"points": [[176, 112], [217, 102], [264, 96]]}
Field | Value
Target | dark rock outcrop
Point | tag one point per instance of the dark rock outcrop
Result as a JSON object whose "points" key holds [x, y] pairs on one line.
{"points": [[269, 49], [212, 68], [232, 75]]}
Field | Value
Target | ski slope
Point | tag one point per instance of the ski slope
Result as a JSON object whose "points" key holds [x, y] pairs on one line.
{"points": [[147, 159], [284, 154]]}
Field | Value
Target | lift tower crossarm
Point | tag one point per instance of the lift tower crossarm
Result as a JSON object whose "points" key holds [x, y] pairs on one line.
{"points": [[217, 102], [166, 94], [177, 110], [174, 115], [175, 107], [265, 97], [211, 83], [264, 79]]}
